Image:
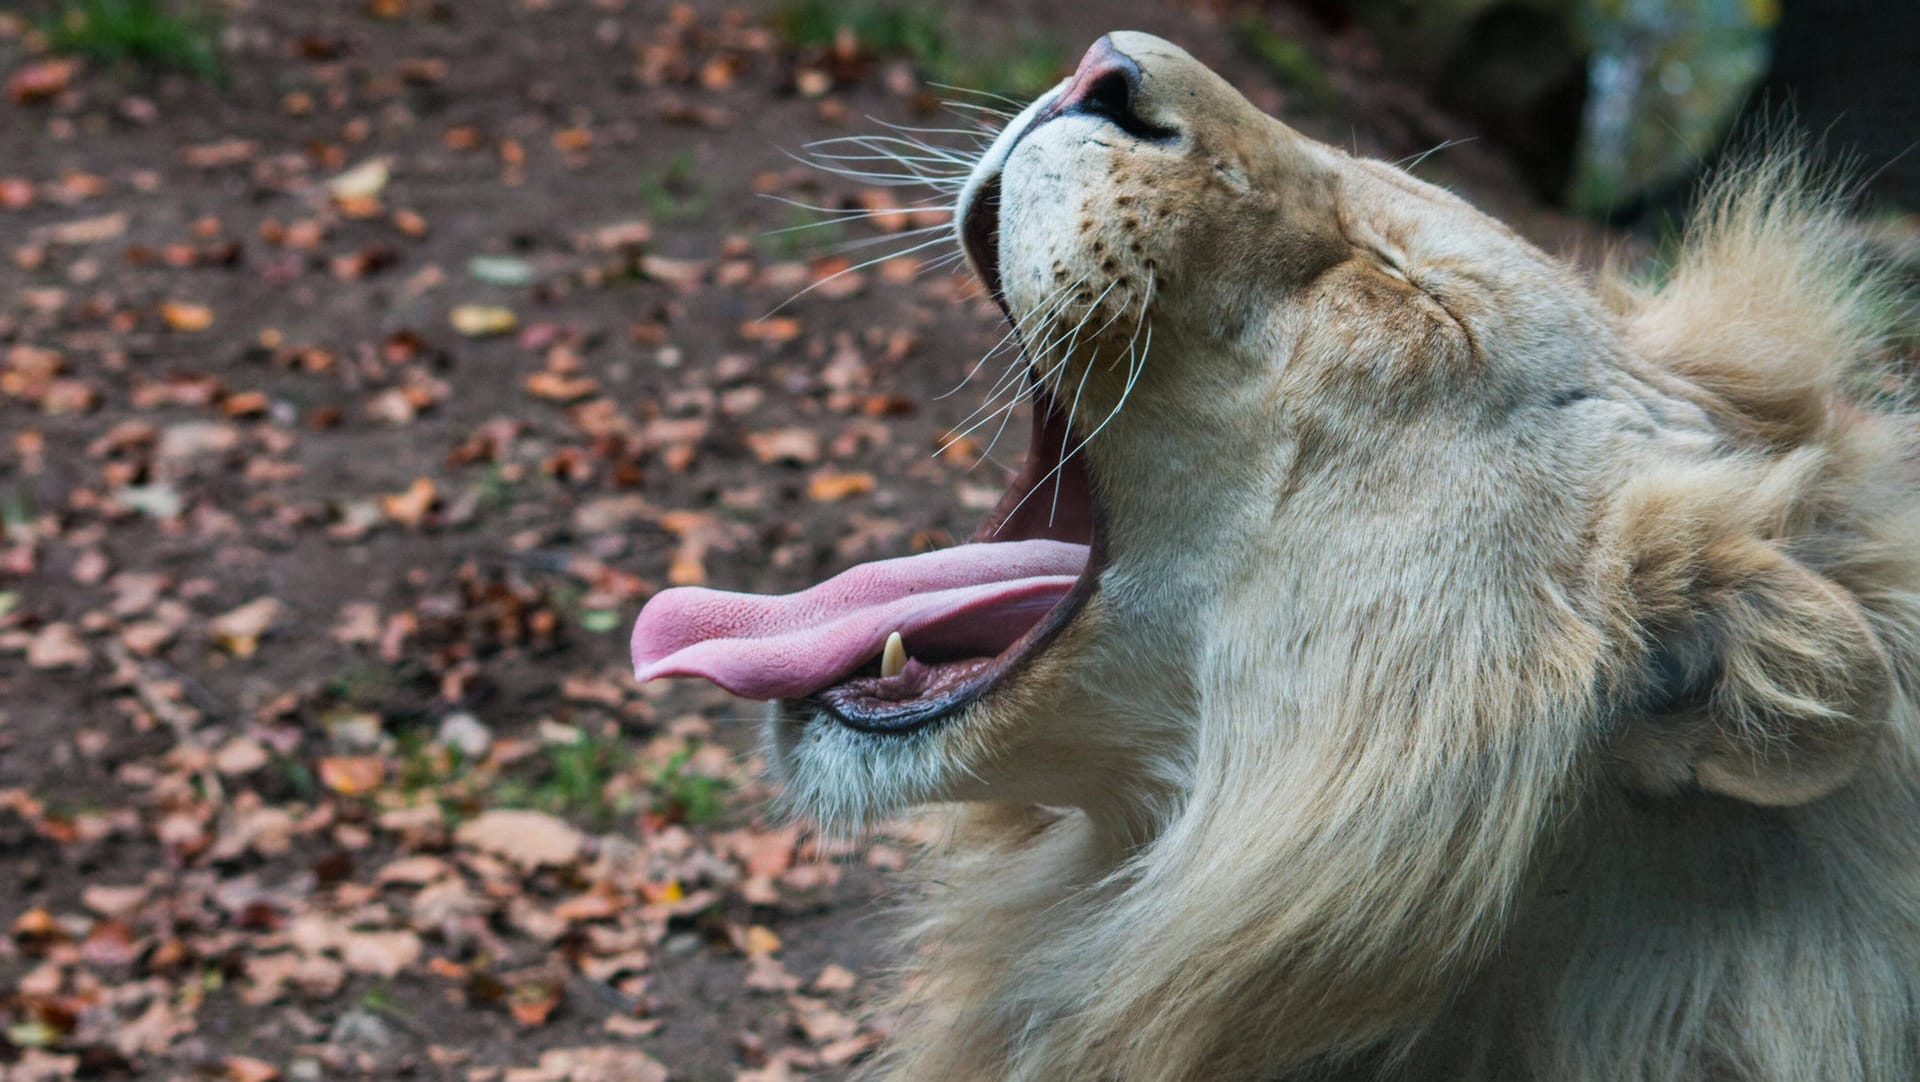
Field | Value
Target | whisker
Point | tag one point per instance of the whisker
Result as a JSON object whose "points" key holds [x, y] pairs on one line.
{"points": [[988, 110], [915, 178], [1007, 380], [1059, 470], [1133, 374], [1013, 332], [1015, 102], [857, 266], [972, 133], [1135, 367], [1424, 155], [843, 247]]}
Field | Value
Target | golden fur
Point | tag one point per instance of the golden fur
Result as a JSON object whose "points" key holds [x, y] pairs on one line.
{"points": [[1497, 674]]}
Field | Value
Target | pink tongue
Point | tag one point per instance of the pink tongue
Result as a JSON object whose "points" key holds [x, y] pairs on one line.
{"points": [[966, 601]]}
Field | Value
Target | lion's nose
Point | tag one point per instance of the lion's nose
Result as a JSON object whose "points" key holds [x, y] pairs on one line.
{"points": [[1107, 85], [1106, 76]]}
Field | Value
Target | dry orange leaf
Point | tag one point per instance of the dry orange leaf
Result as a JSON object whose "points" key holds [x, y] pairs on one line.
{"points": [[39, 82], [244, 404], [789, 444], [775, 329], [36, 923], [352, 775], [828, 486], [760, 940], [558, 387], [359, 206], [182, 316], [533, 1003], [248, 1069], [409, 507]]}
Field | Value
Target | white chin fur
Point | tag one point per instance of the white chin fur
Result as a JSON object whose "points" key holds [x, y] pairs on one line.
{"points": [[843, 778], [993, 161]]}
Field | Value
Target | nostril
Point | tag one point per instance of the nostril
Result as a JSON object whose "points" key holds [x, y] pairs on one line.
{"points": [[1110, 96], [1107, 85]]}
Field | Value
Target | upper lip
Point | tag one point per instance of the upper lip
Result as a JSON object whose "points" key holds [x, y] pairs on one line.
{"points": [[980, 235]]}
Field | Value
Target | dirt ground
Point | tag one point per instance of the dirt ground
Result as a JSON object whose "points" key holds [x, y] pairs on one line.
{"points": [[350, 409]]}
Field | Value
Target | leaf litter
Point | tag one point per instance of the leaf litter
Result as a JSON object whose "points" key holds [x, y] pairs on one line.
{"points": [[348, 413]]}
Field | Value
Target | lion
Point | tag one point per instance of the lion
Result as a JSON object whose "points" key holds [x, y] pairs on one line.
{"points": [[1401, 656]]}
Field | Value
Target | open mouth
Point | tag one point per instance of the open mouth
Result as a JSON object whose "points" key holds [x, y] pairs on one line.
{"points": [[967, 617], [894, 645]]}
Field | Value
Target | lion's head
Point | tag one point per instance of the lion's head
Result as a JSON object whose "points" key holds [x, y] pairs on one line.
{"points": [[1401, 656]]}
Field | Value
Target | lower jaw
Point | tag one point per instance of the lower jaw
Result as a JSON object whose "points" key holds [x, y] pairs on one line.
{"points": [[891, 706], [929, 692]]}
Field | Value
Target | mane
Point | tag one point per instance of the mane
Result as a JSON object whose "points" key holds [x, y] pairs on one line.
{"points": [[1312, 888]]}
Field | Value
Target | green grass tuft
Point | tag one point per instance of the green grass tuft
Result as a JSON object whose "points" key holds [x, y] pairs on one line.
{"points": [[152, 33], [573, 779], [686, 796], [673, 192]]}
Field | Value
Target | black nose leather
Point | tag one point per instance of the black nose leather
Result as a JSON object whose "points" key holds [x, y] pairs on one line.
{"points": [[1107, 85]]}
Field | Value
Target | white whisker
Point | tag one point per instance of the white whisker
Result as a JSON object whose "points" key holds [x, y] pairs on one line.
{"points": [[857, 266]]}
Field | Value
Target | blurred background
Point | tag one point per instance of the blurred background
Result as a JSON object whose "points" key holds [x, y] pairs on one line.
{"points": [[366, 364]]}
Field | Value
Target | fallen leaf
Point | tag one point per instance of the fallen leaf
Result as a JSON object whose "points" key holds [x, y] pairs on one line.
{"points": [[248, 1069], [559, 387], [829, 486], [500, 270], [601, 1063], [16, 193], [834, 978], [240, 756], [182, 316], [620, 235], [238, 631], [410, 506], [483, 320], [57, 646], [113, 901], [42, 81], [192, 439], [532, 1003], [775, 329], [413, 871], [352, 775], [800, 445], [530, 839], [85, 230], [685, 273], [760, 940], [364, 181], [358, 624], [382, 954]]}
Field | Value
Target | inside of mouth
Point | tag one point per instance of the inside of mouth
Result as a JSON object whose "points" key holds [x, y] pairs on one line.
{"points": [[966, 614]]}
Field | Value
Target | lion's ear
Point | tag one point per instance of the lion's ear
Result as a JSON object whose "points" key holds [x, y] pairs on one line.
{"points": [[1766, 685]]}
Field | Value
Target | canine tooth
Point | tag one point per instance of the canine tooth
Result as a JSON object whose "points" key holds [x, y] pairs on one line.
{"points": [[894, 657]]}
